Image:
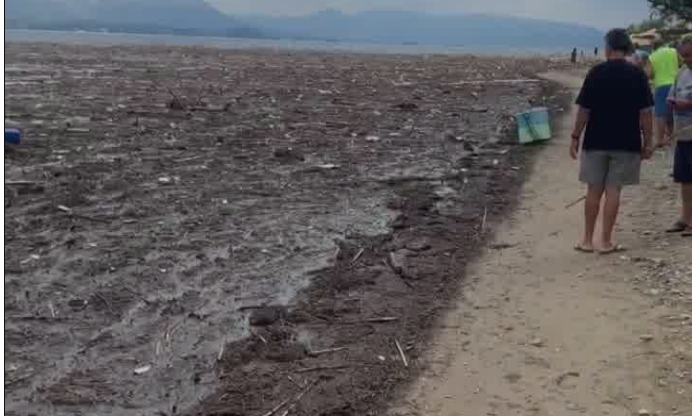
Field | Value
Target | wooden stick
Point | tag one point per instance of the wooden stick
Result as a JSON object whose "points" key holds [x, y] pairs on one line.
{"points": [[277, 407], [485, 218], [327, 351], [382, 320], [20, 183], [401, 353], [219, 357], [357, 256], [321, 368], [496, 81], [571, 204], [71, 212], [261, 338], [295, 382]]}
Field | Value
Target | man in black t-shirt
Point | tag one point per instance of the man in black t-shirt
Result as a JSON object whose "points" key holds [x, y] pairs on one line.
{"points": [[615, 116]]}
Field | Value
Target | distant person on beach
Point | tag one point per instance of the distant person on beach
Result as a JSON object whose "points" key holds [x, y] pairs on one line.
{"points": [[680, 103], [662, 68], [574, 56], [595, 52], [615, 116]]}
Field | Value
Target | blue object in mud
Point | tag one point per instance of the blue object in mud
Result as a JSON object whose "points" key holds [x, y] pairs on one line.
{"points": [[12, 136]]}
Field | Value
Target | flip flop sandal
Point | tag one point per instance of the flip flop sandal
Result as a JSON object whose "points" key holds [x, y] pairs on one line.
{"points": [[678, 227], [581, 249], [617, 249]]}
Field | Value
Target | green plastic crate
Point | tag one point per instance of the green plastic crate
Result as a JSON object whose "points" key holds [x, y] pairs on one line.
{"points": [[534, 125]]}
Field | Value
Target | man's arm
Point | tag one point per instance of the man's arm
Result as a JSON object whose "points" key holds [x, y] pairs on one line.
{"points": [[673, 107], [649, 69], [579, 126], [680, 104]]}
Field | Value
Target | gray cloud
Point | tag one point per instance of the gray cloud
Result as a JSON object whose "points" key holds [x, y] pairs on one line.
{"points": [[599, 13]]}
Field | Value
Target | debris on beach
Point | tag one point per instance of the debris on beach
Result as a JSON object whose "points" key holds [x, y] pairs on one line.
{"points": [[179, 185]]}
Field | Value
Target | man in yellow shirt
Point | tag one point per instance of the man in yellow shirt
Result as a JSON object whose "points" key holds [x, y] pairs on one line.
{"points": [[662, 68]]}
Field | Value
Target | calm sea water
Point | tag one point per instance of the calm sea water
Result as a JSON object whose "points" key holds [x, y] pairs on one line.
{"points": [[110, 39]]}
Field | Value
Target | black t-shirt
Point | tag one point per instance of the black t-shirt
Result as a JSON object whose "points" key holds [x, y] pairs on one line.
{"points": [[614, 92]]}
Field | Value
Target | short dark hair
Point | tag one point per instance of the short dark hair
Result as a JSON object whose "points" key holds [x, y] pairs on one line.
{"points": [[618, 40]]}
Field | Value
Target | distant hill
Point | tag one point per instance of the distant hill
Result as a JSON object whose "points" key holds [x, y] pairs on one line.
{"points": [[192, 17], [197, 17], [400, 27]]}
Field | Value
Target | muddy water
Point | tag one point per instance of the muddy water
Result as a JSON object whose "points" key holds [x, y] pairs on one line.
{"points": [[183, 218]]}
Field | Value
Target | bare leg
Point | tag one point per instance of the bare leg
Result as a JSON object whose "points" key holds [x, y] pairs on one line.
{"points": [[610, 215], [660, 129], [592, 206], [686, 194]]}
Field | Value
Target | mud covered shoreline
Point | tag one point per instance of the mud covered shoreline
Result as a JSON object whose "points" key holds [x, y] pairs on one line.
{"points": [[198, 231]]}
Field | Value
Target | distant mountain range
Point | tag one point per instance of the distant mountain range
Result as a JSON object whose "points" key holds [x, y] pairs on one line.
{"points": [[196, 17], [186, 17], [397, 27]]}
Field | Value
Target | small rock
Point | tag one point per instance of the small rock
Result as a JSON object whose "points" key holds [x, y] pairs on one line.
{"points": [[644, 412]]}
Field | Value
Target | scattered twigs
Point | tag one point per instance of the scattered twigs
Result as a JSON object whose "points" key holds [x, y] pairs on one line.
{"points": [[485, 219], [299, 397], [105, 301], [401, 353], [176, 103], [277, 407]]}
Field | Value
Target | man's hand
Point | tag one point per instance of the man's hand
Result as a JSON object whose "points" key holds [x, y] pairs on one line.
{"points": [[680, 104], [574, 147]]}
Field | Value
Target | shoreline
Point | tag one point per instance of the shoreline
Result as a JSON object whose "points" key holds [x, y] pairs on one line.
{"points": [[280, 45]]}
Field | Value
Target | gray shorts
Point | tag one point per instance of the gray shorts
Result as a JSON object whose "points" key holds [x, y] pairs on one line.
{"points": [[610, 168]]}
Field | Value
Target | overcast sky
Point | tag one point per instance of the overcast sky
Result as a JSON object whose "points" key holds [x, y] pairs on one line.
{"points": [[598, 13]]}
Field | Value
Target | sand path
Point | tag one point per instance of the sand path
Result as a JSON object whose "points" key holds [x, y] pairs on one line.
{"points": [[542, 330]]}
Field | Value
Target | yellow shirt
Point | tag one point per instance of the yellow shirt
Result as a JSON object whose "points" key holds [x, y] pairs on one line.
{"points": [[664, 63]]}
